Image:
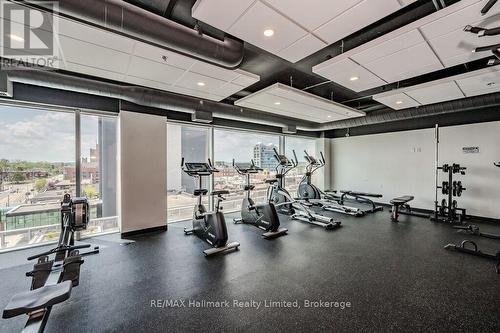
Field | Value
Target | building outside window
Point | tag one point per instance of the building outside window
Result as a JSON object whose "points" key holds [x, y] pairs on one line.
{"points": [[192, 144], [243, 147], [38, 166]]}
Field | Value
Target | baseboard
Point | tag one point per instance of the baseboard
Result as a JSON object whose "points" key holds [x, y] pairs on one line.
{"points": [[143, 231]]}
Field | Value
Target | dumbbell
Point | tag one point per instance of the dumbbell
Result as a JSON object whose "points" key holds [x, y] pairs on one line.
{"points": [[445, 187], [458, 189], [445, 168]]}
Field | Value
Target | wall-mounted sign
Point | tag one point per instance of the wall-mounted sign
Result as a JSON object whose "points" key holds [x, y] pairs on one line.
{"points": [[470, 150]]}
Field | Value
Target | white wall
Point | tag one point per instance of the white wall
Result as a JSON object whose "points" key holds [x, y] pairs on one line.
{"points": [[402, 163], [143, 165]]}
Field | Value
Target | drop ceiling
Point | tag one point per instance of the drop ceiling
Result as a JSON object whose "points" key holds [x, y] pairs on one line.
{"points": [[291, 102], [479, 82], [92, 51], [300, 27], [429, 44]]}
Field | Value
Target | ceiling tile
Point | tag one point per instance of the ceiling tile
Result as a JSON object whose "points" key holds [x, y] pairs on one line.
{"points": [[488, 81], [397, 101], [343, 73], [356, 18], [438, 93], [288, 101], [302, 48], [213, 71], [407, 63], [156, 54], [151, 70], [312, 13], [250, 27], [210, 12], [190, 80]]}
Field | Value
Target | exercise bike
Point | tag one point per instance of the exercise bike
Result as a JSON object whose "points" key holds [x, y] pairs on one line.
{"points": [[263, 216], [207, 225], [284, 202], [52, 279], [310, 193]]}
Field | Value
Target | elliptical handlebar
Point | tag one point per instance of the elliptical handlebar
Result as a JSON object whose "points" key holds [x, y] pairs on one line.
{"points": [[497, 164], [245, 171]]}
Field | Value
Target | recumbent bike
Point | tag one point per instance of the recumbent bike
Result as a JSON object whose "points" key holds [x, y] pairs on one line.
{"points": [[209, 226], [53, 279], [263, 215], [284, 202]]}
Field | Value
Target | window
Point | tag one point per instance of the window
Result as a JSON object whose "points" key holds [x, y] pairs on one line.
{"points": [[298, 144], [192, 143], [98, 171], [243, 147], [38, 166]]}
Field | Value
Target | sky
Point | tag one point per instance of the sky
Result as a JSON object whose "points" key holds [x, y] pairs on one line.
{"points": [[239, 145], [43, 136]]}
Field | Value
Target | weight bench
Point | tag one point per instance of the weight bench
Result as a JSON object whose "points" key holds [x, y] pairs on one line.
{"points": [[400, 205], [33, 301], [362, 197]]}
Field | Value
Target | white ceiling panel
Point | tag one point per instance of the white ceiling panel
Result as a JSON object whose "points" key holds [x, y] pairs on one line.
{"points": [[211, 12], [288, 101], [260, 17], [480, 82], [92, 51], [359, 16], [486, 82], [397, 101], [345, 73], [436, 93], [302, 48], [300, 27], [431, 43], [407, 63], [92, 55], [155, 71], [312, 13]]}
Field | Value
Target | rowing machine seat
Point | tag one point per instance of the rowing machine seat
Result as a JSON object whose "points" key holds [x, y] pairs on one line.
{"points": [[37, 299]]}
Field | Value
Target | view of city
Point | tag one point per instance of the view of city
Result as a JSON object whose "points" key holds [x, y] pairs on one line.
{"points": [[37, 167], [242, 147]]}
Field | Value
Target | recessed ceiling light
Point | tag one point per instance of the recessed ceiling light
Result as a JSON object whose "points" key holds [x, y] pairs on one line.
{"points": [[16, 38], [399, 102], [268, 32], [354, 78], [277, 103], [201, 84], [329, 116]]}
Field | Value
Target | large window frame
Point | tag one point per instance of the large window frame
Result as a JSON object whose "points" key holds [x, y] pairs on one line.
{"points": [[211, 148], [77, 113]]}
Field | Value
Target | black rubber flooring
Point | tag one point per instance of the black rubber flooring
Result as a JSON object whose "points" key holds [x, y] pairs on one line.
{"points": [[396, 277]]}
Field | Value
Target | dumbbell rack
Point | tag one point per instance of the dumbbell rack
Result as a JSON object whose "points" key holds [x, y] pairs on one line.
{"points": [[447, 211]]}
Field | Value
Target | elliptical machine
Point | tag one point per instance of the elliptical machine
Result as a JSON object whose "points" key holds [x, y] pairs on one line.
{"points": [[312, 194], [207, 225], [263, 216], [284, 202]]}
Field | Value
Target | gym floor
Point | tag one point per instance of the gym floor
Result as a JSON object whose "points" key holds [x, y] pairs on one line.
{"points": [[397, 277]]}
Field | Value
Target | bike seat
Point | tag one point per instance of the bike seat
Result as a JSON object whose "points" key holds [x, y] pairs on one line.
{"points": [[270, 181], [37, 299], [249, 187], [220, 192], [200, 191]]}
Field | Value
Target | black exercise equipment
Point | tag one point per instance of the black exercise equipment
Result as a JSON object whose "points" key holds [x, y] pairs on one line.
{"points": [[207, 225], [448, 211], [310, 193], [284, 202], [53, 279], [263, 215], [475, 252], [473, 229], [400, 205], [488, 6], [362, 198]]}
